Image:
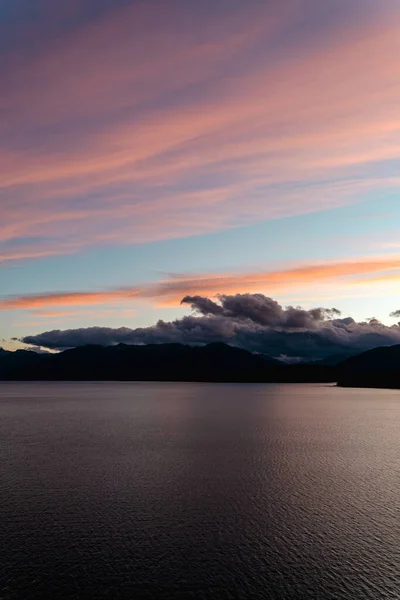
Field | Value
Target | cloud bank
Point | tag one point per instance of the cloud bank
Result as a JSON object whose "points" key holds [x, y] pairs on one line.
{"points": [[251, 321]]}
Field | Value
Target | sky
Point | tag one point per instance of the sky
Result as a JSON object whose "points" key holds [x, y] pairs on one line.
{"points": [[153, 150]]}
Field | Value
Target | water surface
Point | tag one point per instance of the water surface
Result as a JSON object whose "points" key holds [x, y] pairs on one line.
{"points": [[202, 491]]}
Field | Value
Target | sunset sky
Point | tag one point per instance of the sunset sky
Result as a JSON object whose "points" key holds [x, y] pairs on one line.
{"points": [[154, 149]]}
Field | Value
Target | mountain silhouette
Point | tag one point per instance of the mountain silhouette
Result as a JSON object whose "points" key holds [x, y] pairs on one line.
{"points": [[379, 367], [157, 362]]}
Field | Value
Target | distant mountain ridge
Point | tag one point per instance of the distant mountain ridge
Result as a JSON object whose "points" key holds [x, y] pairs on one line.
{"points": [[333, 360], [157, 362]]}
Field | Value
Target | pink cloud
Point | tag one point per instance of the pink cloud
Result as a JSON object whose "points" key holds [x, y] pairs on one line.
{"points": [[38, 301], [286, 132], [344, 274]]}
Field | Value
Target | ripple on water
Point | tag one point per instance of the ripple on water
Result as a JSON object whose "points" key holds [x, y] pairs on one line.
{"points": [[127, 490]]}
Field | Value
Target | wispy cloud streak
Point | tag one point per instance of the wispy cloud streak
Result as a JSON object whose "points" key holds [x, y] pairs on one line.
{"points": [[344, 274], [148, 121]]}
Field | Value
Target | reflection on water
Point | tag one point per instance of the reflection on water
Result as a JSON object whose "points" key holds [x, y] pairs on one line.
{"points": [[125, 490]]}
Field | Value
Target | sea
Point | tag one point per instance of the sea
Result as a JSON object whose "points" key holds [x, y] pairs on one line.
{"points": [[199, 491]]}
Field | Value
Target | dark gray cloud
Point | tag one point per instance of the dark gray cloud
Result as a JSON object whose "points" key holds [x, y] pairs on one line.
{"points": [[260, 309], [203, 305], [251, 321]]}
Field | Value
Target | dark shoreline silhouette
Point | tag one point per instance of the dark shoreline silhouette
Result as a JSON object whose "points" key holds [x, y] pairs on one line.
{"points": [[215, 362]]}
